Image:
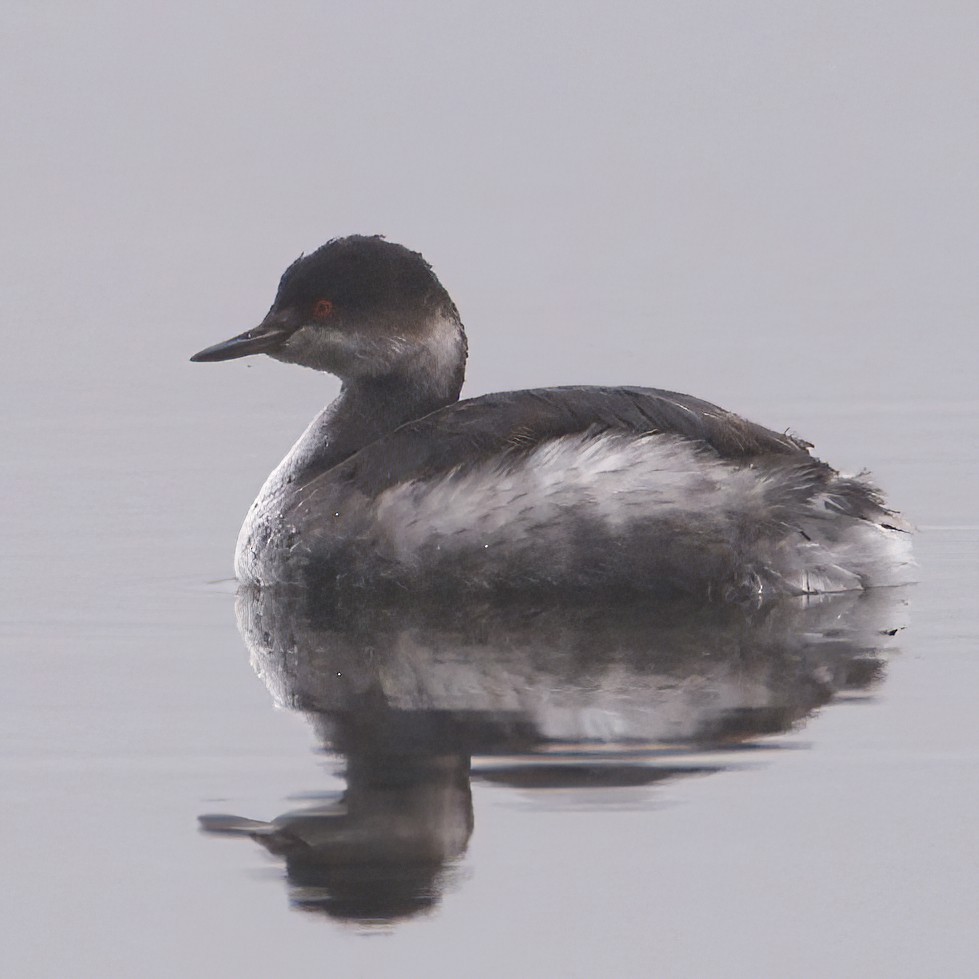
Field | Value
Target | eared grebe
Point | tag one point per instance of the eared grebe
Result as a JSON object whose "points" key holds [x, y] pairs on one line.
{"points": [[398, 485]]}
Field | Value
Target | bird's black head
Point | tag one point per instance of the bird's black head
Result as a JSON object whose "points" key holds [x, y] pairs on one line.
{"points": [[360, 277], [356, 307]]}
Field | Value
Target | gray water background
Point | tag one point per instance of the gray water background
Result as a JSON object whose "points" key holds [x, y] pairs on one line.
{"points": [[773, 206]]}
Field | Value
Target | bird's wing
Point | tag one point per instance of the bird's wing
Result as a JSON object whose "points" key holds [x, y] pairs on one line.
{"points": [[511, 424]]}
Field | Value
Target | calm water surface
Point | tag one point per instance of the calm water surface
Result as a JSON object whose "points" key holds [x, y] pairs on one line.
{"points": [[772, 206], [490, 790]]}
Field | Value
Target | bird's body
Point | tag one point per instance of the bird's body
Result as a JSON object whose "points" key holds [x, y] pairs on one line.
{"points": [[398, 486]]}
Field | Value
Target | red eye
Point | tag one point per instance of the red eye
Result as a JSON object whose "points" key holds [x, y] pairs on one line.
{"points": [[323, 309]]}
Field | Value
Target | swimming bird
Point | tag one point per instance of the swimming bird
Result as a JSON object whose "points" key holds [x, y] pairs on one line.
{"points": [[399, 486]]}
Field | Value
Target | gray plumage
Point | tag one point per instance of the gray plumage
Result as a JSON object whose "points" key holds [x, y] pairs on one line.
{"points": [[397, 486]]}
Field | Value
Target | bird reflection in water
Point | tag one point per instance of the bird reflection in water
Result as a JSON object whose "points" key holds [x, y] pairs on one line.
{"points": [[572, 697]]}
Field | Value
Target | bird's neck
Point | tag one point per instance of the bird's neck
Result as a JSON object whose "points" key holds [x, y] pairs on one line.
{"points": [[369, 409], [427, 377], [365, 411]]}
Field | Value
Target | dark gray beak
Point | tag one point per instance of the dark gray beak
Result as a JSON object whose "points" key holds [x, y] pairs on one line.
{"points": [[269, 335]]}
